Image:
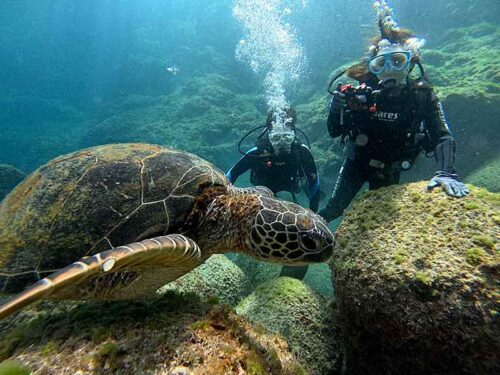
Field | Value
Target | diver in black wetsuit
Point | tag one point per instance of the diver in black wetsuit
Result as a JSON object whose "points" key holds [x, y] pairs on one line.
{"points": [[281, 162], [387, 121]]}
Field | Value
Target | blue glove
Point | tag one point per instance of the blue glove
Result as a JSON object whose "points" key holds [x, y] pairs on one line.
{"points": [[338, 102], [449, 183]]}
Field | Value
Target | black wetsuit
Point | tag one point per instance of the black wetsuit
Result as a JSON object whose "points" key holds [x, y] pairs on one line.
{"points": [[386, 140], [280, 172]]}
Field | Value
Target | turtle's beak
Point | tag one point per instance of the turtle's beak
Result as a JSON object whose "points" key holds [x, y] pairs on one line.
{"points": [[321, 257]]}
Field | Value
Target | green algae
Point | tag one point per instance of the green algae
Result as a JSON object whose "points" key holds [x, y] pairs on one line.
{"points": [[49, 349], [108, 349], [423, 271], [466, 63], [289, 307], [13, 367], [421, 277], [134, 337], [201, 324], [218, 280], [254, 366], [475, 255], [399, 258]]}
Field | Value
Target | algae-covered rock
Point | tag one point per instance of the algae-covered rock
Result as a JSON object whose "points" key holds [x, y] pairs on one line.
{"points": [[9, 178], [487, 176], [416, 280], [10, 367], [217, 278], [257, 272], [289, 307], [175, 334], [318, 276]]}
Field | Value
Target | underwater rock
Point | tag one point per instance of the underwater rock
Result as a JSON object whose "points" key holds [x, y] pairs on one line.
{"points": [[175, 334], [9, 178], [217, 278], [416, 281], [318, 276], [487, 176], [257, 272], [289, 307]]}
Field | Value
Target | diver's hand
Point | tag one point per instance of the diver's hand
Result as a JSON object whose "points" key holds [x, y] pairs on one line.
{"points": [[338, 102], [449, 183]]}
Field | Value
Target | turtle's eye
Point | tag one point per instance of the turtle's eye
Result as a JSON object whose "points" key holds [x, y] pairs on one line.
{"points": [[309, 242]]}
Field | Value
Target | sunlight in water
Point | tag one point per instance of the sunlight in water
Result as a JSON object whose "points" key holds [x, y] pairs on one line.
{"points": [[270, 47]]}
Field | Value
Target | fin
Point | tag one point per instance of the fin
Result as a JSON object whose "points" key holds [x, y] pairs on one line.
{"points": [[175, 253]]}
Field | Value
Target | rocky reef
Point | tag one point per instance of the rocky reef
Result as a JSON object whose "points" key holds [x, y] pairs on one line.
{"points": [[173, 334], [9, 178], [290, 308], [416, 275], [465, 68], [487, 176]]}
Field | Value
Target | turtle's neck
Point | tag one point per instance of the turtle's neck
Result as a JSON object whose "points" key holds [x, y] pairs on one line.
{"points": [[225, 224]]}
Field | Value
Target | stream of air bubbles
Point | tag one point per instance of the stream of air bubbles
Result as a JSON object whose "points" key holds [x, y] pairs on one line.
{"points": [[270, 47]]}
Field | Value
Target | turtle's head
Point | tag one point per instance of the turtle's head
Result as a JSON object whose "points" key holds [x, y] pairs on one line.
{"points": [[285, 232], [261, 226]]}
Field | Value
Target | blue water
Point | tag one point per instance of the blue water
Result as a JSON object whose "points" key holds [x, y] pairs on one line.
{"points": [[197, 75]]}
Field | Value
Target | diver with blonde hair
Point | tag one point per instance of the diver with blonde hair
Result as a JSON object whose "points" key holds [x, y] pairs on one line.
{"points": [[388, 119]]}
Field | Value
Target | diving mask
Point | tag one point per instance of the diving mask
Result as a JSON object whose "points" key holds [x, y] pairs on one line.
{"points": [[281, 140], [392, 62], [395, 61]]}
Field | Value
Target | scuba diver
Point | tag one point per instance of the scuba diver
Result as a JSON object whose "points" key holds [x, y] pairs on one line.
{"points": [[388, 119], [280, 162]]}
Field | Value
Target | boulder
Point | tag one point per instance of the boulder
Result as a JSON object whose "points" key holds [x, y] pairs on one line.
{"points": [[416, 277], [318, 276], [174, 334], [218, 278], [288, 307]]}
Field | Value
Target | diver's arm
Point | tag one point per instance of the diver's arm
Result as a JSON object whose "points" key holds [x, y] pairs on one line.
{"points": [[241, 166], [446, 175], [442, 141], [336, 127], [311, 172]]}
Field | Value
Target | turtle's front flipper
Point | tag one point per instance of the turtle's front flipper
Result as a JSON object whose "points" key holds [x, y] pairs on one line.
{"points": [[124, 272]]}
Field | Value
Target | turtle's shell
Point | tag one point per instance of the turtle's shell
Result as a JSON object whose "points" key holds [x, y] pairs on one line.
{"points": [[89, 201]]}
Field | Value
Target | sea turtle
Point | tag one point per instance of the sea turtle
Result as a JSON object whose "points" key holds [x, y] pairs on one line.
{"points": [[119, 221]]}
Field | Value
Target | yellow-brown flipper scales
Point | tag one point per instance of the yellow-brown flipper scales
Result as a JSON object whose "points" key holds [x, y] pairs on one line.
{"points": [[125, 272]]}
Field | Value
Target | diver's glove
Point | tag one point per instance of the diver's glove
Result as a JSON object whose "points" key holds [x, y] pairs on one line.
{"points": [[338, 102], [449, 183]]}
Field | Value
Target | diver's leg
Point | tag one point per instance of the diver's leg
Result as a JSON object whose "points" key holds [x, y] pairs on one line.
{"points": [[349, 182], [297, 272], [380, 179]]}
